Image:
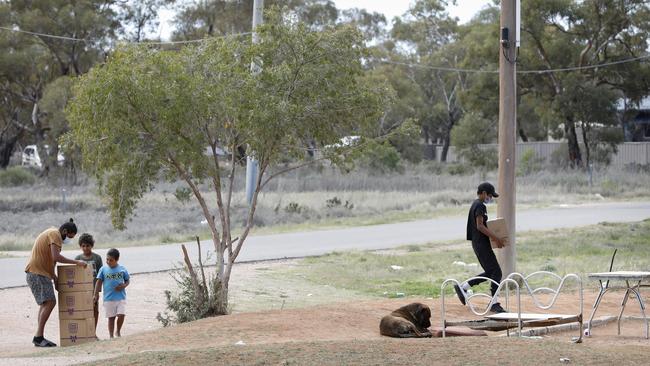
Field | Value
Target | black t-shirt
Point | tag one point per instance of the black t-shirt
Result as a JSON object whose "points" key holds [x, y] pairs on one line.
{"points": [[478, 209]]}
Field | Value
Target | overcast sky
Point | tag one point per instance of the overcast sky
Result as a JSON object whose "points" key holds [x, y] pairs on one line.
{"points": [[464, 10]]}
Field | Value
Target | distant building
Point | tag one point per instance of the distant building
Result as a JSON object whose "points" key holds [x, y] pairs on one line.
{"points": [[635, 119]]}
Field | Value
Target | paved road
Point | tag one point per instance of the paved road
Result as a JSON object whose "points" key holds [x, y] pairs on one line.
{"points": [[300, 244]]}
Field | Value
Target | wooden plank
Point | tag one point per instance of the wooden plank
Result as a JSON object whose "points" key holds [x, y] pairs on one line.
{"points": [[526, 316]]}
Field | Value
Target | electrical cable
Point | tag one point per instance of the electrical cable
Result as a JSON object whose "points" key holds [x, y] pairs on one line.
{"points": [[439, 68], [540, 71], [138, 43]]}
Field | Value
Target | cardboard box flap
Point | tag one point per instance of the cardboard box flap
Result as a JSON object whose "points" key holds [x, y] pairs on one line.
{"points": [[75, 278]]}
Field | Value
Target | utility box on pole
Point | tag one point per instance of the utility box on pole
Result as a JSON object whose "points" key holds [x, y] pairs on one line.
{"points": [[507, 130]]}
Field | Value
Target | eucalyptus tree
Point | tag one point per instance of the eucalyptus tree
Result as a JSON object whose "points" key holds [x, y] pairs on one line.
{"points": [[219, 17], [139, 18], [568, 43], [581, 36], [149, 113], [429, 34], [80, 32]]}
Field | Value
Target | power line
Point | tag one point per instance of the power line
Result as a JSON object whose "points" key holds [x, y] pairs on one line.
{"points": [[138, 43], [540, 71], [439, 68]]}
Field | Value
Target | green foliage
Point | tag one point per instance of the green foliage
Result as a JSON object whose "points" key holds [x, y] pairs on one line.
{"points": [[529, 163], [293, 207], [183, 305], [560, 157], [183, 194], [16, 176], [459, 169], [468, 134], [149, 111], [336, 202], [379, 157]]}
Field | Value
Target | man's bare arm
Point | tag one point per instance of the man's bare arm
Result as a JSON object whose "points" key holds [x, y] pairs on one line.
{"points": [[56, 255]]}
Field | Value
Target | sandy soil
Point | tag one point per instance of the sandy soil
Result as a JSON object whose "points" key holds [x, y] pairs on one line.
{"points": [[267, 310]]}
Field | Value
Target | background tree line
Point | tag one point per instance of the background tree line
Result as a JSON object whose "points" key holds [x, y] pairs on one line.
{"points": [[408, 53]]}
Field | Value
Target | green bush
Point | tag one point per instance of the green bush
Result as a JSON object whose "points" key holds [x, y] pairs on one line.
{"points": [[16, 176], [472, 131], [379, 157], [560, 157], [529, 163], [182, 306], [459, 169]]}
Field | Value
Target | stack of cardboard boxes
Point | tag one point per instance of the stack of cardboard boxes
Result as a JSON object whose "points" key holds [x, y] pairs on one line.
{"points": [[76, 319]]}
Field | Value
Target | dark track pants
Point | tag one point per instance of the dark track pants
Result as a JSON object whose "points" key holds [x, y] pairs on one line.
{"points": [[488, 261]]}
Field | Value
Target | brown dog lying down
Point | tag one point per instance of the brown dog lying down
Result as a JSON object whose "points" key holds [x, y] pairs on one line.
{"points": [[409, 321]]}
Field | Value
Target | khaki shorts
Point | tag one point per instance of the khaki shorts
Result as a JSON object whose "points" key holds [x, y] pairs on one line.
{"points": [[114, 308]]}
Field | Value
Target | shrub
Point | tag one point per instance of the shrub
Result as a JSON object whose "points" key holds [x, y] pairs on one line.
{"points": [[16, 176], [560, 157], [472, 131], [379, 157], [183, 305], [529, 163], [333, 202], [293, 207], [459, 169]]}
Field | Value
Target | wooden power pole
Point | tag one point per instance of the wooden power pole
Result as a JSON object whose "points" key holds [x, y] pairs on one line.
{"points": [[507, 130]]}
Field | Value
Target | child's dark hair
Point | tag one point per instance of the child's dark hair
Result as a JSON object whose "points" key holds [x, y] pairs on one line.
{"points": [[69, 226], [113, 253], [86, 238]]}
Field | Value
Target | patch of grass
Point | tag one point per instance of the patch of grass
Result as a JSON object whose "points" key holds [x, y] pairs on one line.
{"points": [[579, 250]]}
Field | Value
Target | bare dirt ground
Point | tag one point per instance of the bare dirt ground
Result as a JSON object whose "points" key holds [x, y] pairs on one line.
{"points": [[277, 320]]}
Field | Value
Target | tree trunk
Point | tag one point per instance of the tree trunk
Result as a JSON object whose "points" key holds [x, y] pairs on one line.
{"points": [[7, 147], [523, 136], [445, 147], [586, 142], [575, 158]]}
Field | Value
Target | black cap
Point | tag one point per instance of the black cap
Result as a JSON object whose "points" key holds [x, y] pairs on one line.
{"points": [[487, 188]]}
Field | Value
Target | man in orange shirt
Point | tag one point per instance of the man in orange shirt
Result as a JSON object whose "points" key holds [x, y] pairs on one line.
{"points": [[40, 273]]}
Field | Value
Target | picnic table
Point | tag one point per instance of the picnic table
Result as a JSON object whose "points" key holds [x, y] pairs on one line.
{"points": [[630, 281]]}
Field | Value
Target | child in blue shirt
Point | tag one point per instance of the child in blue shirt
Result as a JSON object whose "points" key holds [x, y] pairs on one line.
{"points": [[114, 279]]}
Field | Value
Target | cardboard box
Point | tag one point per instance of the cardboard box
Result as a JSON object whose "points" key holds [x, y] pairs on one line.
{"points": [[76, 305], [499, 228], [73, 278], [76, 331]]}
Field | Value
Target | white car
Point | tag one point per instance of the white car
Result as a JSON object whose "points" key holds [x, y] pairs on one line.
{"points": [[30, 157]]}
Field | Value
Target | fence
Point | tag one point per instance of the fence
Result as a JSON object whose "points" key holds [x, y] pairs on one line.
{"points": [[627, 153]]}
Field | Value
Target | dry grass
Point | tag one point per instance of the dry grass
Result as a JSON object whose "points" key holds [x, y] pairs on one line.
{"points": [[298, 201], [454, 351]]}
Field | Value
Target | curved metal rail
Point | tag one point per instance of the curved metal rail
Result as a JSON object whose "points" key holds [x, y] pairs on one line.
{"points": [[470, 297], [532, 291], [556, 292]]}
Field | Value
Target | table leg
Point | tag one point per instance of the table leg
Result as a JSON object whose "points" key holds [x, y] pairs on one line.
{"points": [[620, 315], [595, 307], [636, 292]]}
